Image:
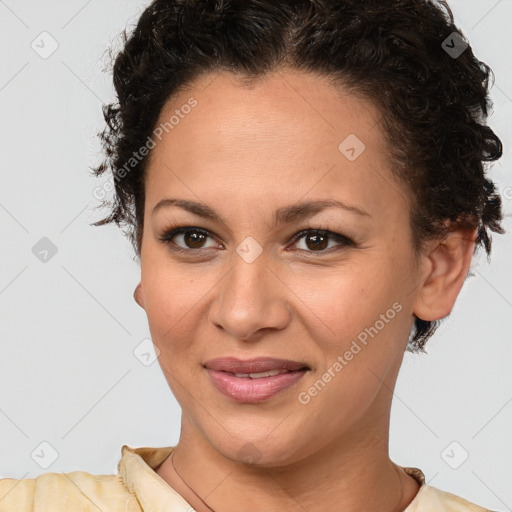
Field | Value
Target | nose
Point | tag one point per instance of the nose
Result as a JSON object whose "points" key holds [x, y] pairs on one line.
{"points": [[251, 301]]}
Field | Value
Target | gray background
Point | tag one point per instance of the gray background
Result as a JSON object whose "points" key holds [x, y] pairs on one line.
{"points": [[71, 336]]}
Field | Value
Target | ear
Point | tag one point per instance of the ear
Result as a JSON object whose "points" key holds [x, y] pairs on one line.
{"points": [[138, 295], [446, 266]]}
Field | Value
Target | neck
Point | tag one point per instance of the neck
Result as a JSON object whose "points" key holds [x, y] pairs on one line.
{"points": [[352, 474]]}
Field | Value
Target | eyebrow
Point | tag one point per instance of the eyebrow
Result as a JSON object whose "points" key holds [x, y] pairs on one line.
{"points": [[284, 215]]}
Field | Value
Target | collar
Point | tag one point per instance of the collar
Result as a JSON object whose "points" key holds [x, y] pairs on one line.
{"points": [[137, 471]]}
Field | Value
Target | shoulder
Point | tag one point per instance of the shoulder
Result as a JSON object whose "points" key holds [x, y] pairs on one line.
{"points": [[59, 492], [431, 498]]}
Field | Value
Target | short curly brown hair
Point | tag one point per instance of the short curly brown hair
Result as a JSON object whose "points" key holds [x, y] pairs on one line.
{"points": [[396, 53]]}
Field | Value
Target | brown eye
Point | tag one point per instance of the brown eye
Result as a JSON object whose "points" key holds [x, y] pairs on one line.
{"points": [[317, 240], [194, 239], [191, 239]]}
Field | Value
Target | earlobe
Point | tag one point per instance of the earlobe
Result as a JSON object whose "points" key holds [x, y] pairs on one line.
{"points": [[138, 296], [447, 267]]}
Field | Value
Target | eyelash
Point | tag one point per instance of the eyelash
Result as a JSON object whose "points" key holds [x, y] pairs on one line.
{"points": [[169, 234]]}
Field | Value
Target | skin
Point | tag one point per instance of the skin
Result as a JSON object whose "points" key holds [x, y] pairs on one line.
{"points": [[246, 151]]}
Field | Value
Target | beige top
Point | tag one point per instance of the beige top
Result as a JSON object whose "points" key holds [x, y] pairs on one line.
{"points": [[138, 488]]}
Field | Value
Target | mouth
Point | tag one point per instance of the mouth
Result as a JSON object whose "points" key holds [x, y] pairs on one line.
{"points": [[254, 380]]}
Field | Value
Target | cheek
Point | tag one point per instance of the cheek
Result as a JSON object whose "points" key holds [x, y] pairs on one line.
{"points": [[363, 320], [176, 298], [169, 295], [348, 300]]}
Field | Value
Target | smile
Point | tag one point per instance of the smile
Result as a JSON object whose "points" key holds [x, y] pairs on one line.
{"points": [[256, 380]]}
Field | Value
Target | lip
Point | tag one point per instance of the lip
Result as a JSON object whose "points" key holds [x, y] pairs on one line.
{"points": [[253, 390]]}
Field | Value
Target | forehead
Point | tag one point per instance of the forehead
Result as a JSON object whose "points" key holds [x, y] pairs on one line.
{"points": [[290, 133], [282, 104]]}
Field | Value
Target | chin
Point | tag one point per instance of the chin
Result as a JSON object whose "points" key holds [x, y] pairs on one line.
{"points": [[263, 451]]}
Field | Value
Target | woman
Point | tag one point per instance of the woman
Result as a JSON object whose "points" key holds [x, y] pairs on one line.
{"points": [[304, 183]]}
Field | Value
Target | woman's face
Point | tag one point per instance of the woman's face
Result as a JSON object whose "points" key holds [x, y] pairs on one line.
{"points": [[240, 285]]}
